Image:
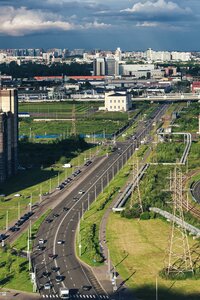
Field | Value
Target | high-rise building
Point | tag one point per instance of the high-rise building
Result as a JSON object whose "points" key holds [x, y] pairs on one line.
{"points": [[111, 66], [99, 66], [8, 133]]}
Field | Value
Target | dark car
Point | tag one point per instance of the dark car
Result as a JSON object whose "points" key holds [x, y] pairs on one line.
{"points": [[46, 274], [55, 269], [55, 215], [30, 213], [60, 278], [19, 222], [40, 247], [48, 220], [14, 228], [65, 208], [52, 256], [2, 237]]}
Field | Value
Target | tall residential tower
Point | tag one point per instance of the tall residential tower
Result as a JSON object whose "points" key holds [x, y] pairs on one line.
{"points": [[8, 133]]}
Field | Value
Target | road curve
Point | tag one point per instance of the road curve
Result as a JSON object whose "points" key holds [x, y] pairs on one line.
{"points": [[196, 191]]}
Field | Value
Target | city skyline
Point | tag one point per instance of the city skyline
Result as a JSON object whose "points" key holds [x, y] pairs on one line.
{"points": [[137, 24]]}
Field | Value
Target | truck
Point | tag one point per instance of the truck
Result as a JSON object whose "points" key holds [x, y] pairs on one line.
{"points": [[64, 293]]}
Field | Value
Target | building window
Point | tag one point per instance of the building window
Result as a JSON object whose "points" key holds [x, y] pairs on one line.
{"points": [[110, 107], [118, 107], [114, 107], [110, 101], [118, 101], [114, 101]]}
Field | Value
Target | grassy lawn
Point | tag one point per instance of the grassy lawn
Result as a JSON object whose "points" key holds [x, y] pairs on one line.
{"points": [[60, 108], [64, 127], [14, 272], [137, 248], [188, 119]]}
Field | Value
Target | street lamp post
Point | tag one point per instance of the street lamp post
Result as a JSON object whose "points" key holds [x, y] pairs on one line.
{"points": [[33, 276]]}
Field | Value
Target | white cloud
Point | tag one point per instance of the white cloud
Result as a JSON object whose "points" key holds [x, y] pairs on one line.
{"points": [[147, 24], [160, 6], [95, 25], [21, 21]]}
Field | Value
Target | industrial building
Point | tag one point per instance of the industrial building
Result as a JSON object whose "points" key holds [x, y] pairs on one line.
{"points": [[8, 133]]}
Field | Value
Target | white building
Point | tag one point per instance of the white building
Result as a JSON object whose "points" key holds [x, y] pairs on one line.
{"points": [[181, 56], [129, 69], [99, 66], [117, 101]]}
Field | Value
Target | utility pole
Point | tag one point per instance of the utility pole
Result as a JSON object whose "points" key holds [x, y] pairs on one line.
{"points": [[58, 178], [102, 184], [82, 210], [19, 210], [7, 220], [89, 201], [107, 177], [79, 234], [95, 192], [31, 202], [50, 185], [179, 259], [73, 128], [40, 193], [113, 171]]}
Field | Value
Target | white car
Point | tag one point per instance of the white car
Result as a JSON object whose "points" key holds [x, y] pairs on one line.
{"points": [[47, 286], [41, 241], [81, 192], [60, 242]]}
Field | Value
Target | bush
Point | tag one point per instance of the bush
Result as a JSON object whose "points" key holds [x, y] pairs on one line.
{"points": [[145, 216]]}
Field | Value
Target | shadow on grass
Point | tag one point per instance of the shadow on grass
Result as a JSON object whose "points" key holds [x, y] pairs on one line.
{"points": [[149, 293], [38, 156], [6, 280]]}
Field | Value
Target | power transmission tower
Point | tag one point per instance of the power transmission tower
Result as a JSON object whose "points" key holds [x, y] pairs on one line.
{"points": [[179, 260], [73, 129], [136, 200]]}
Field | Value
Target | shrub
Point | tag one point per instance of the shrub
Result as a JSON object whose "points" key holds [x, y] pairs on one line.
{"points": [[145, 216]]}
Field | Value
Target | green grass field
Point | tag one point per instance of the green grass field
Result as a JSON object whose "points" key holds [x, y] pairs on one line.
{"points": [[63, 128], [137, 250], [14, 272]]}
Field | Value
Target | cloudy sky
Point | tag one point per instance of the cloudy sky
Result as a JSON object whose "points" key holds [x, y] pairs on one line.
{"points": [[105, 24]]}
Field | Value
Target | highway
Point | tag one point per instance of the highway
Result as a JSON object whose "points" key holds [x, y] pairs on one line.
{"points": [[64, 221]]}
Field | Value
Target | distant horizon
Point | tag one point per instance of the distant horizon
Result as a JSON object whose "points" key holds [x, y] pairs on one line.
{"points": [[98, 49]]}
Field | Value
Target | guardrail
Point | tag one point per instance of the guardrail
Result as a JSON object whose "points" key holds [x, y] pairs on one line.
{"points": [[193, 230], [187, 148], [129, 189]]}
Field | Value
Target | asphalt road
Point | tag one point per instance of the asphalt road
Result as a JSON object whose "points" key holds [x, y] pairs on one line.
{"points": [[64, 225], [196, 191]]}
